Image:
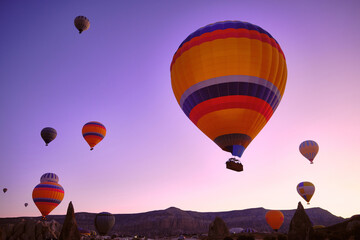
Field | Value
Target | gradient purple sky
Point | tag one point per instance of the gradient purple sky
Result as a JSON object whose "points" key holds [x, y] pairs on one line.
{"points": [[153, 157]]}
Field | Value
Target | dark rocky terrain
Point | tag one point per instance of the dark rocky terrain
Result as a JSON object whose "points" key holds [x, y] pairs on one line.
{"points": [[174, 221]]}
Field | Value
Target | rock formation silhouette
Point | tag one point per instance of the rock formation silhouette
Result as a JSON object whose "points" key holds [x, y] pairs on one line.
{"points": [[70, 230], [31, 229], [301, 228], [218, 230]]}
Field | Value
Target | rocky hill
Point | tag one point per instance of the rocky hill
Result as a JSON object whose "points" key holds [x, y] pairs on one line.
{"points": [[174, 221]]}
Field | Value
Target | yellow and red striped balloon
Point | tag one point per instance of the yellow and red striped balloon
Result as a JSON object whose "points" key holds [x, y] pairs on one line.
{"points": [[228, 78], [93, 132], [47, 196]]}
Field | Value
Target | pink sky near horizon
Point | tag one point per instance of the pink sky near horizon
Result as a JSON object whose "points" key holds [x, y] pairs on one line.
{"points": [[153, 157]]}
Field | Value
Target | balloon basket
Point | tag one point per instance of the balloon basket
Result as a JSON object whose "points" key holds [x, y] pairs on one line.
{"points": [[234, 164]]}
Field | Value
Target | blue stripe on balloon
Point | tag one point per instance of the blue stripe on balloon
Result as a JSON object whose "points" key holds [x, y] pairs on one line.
{"points": [[230, 89], [48, 200], [93, 134], [228, 79], [94, 123], [225, 25], [49, 186]]}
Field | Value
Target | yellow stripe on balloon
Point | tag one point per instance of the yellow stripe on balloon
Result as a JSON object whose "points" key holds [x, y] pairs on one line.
{"points": [[218, 58]]}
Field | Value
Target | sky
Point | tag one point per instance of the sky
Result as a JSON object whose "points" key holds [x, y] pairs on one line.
{"points": [[153, 157]]}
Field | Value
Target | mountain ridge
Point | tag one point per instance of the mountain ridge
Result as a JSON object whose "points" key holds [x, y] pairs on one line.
{"points": [[175, 221]]}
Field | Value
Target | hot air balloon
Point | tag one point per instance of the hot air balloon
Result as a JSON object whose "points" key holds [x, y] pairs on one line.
{"points": [[4, 190], [26, 204], [49, 177], [82, 23], [93, 132], [48, 134], [228, 78], [84, 232], [47, 196], [306, 190], [104, 221], [309, 149], [275, 219]]}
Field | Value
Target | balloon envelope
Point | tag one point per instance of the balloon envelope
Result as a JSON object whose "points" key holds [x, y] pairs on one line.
{"points": [[82, 23], [48, 134], [4, 190], [26, 204], [93, 132], [47, 196], [309, 149], [228, 78], [306, 190], [49, 177], [104, 221], [275, 219]]}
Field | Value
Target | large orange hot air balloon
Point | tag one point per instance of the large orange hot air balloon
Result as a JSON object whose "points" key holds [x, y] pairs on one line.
{"points": [[228, 78], [275, 219], [93, 132], [48, 195]]}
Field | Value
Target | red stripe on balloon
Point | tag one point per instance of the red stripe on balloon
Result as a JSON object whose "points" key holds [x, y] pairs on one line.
{"points": [[228, 102], [48, 189], [89, 137], [226, 33], [46, 203]]}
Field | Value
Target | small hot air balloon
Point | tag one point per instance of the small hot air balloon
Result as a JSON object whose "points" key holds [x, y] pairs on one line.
{"points": [[26, 204], [228, 78], [4, 190], [82, 23], [49, 177], [275, 219], [309, 149], [47, 196], [306, 190], [104, 221], [84, 232], [93, 132], [48, 134]]}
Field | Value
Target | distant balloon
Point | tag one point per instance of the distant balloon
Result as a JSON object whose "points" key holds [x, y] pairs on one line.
{"points": [[48, 134], [93, 132], [228, 78], [306, 190], [82, 23], [275, 219], [26, 204], [85, 232], [309, 149], [104, 221], [49, 177], [47, 196], [4, 190]]}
